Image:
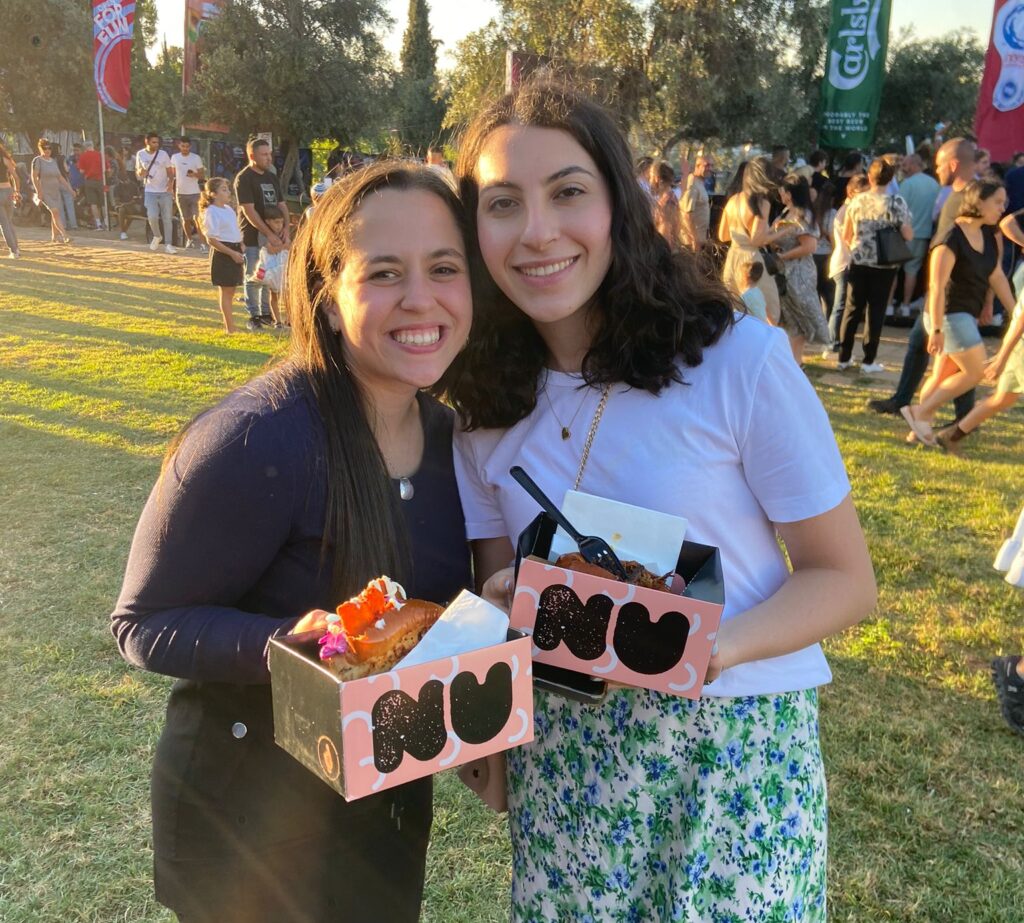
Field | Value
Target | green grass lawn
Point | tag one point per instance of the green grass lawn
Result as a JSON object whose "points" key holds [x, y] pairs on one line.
{"points": [[104, 354]]}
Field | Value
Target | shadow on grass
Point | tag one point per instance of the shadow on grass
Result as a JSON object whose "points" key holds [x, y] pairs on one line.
{"points": [[91, 270], [115, 299], [88, 430], [44, 328], [175, 404]]}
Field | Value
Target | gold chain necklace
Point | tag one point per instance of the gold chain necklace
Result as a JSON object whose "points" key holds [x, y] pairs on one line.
{"points": [[592, 432], [565, 427]]}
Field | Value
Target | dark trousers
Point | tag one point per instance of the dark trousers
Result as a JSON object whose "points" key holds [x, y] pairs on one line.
{"points": [[915, 364], [868, 290]]}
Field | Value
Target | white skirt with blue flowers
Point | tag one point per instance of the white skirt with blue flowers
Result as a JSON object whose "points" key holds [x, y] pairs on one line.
{"points": [[655, 808]]}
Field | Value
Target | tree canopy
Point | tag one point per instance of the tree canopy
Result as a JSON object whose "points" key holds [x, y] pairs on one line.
{"points": [[927, 81], [727, 71], [46, 65], [732, 70], [51, 84], [296, 68]]}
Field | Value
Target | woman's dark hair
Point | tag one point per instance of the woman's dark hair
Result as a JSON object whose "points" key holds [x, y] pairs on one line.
{"points": [[652, 310], [881, 172], [799, 190], [817, 158], [666, 176], [976, 192], [736, 183], [758, 184], [363, 521], [823, 204], [853, 161], [44, 144]]}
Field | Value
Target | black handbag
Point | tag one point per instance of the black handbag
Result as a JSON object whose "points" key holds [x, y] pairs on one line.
{"points": [[892, 248], [774, 267]]}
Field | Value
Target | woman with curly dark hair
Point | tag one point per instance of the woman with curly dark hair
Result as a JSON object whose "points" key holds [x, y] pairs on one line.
{"points": [[600, 360]]}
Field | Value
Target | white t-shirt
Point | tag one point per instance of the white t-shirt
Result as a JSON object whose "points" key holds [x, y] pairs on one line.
{"points": [[743, 444], [158, 179], [187, 185], [220, 221]]}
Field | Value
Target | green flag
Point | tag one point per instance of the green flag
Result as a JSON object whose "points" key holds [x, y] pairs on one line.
{"points": [[854, 70]]}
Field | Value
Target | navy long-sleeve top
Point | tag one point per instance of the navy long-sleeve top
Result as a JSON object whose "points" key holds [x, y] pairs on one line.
{"points": [[227, 553]]}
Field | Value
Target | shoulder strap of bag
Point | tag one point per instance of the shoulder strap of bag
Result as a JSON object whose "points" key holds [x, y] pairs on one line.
{"points": [[152, 161]]}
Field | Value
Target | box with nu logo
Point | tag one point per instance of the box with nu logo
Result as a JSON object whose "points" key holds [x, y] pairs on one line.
{"points": [[616, 631], [371, 734]]}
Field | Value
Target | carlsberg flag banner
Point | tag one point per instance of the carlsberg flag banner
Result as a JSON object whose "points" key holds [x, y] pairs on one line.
{"points": [[854, 70], [113, 23]]}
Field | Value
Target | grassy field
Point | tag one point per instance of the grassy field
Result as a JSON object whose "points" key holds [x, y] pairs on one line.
{"points": [[104, 354]]}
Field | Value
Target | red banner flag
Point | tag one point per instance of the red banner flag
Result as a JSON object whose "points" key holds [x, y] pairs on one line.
{"points": [[113, 24], [999, 122]]}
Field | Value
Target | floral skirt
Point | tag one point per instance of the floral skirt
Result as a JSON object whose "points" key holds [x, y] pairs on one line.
{"points": [[656, 808]]}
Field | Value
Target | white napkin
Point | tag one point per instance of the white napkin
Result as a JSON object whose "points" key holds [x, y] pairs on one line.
{"points": [[468, 624], [651, 538]]}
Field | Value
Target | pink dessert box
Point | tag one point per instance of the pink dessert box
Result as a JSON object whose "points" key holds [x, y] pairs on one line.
{"points": [[616, 631], [371, 734]]}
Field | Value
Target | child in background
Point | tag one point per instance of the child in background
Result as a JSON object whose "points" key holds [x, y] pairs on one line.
{"points": [[220, 225], [270, 269], [752, 296]]}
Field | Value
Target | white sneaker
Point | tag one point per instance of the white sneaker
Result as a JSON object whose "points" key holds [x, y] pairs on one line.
{"points": [[124, 235], [203, 248], [154, 244], [169, 249], [13, 256], [872, 367], [843, 366]]}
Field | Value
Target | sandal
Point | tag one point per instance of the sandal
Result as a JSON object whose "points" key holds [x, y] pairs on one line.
{"points": [[920, 428]]}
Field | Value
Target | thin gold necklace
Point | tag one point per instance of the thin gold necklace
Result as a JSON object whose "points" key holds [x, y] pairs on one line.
{"points": [[565, 427], [594, 424]]}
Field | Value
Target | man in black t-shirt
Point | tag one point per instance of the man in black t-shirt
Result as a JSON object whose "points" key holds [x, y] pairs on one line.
{"points": [[258, 194]]}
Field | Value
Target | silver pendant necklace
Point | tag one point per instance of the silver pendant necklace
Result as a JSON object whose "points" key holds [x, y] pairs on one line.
{"points": [[405, 489]]}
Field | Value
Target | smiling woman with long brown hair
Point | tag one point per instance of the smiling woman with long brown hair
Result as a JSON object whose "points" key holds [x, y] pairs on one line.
{"points": [[273, 507]]}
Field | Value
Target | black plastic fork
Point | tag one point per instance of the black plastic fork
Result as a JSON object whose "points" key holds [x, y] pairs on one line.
{"points": [[594, 550]]}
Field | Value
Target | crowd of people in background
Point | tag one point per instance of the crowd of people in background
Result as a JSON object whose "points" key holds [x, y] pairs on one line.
{"points": [[926, 237], [799, 241]]}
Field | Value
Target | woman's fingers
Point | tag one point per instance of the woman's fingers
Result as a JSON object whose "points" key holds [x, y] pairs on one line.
{"points": [[497, 589], [314, 620]]}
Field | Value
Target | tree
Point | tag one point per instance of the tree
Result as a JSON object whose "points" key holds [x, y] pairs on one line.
{"points": [[46, 65], [420, 108], [729, 70], [928, 80], [301, 69]]}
